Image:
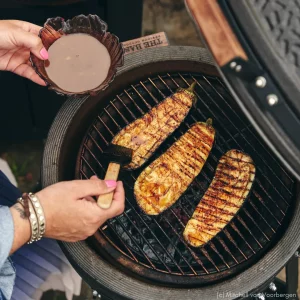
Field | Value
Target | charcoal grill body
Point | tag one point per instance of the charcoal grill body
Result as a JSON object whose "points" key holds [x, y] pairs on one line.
{"points": [[119, 278]]}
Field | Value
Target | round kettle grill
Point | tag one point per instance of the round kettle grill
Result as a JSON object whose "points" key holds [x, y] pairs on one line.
{"points": [[134, 256]]}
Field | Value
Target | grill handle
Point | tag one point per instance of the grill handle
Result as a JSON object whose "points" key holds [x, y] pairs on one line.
{"points": [[216, 31], [112, 173]]}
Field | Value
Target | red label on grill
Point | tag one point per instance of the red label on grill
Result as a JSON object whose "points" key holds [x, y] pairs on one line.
{"points": [[150, 41]]}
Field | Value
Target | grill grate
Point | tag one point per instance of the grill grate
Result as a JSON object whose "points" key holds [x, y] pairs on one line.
{"points": [[157, 242]]}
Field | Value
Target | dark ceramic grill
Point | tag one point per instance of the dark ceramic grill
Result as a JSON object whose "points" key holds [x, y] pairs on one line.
{"points": [[135, 256], [153, 247]]}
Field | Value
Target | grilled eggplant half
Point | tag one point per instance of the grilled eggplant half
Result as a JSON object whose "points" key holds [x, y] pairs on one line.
{"points": [[224, 197], [146, 134], [161, 184]]}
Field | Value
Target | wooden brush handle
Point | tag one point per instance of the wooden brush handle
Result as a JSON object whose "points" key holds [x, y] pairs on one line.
{"points": [[112, 173], [217, 32]]}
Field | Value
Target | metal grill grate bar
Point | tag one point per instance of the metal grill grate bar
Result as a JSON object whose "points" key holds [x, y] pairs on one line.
{"points": [[121, 115], [132, 256], [233, 242], [137, 106], [211, 244], [127, 109], [251, 218], [232, 224], [168, 254]]}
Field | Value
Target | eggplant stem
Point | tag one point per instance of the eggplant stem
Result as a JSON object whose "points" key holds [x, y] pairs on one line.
{"points": [[209, 122], [191, 88]]}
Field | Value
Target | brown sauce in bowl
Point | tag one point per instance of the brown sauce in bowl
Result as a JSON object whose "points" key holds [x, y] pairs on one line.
{"points": [[77, 63]]}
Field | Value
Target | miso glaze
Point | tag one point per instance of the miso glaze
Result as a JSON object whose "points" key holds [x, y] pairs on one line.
{"points": [[77, 62]]}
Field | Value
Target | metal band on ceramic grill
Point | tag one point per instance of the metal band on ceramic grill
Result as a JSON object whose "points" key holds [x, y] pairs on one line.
{"points": [[39, 214]]}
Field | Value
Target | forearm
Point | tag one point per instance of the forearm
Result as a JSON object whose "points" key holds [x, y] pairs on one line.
{"points": [[22, 229]]}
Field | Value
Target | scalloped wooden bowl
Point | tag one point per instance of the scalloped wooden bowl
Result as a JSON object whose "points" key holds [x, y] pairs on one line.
{"points": [[55, 28]]}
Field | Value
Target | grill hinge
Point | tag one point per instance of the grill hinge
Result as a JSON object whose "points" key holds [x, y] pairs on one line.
{"points": [[265, 92], [243, 69]]}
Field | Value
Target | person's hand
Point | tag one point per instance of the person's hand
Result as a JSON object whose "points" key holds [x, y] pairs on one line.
{"points": [[70, 211], [17, 40]]}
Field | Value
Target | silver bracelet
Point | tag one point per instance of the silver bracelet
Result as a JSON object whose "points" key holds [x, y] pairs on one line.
{"points": [[32, 219], [34, 224], [38, 209]]}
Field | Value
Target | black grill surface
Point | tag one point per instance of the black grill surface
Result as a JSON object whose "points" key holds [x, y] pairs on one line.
{"points": [[153, 247]]}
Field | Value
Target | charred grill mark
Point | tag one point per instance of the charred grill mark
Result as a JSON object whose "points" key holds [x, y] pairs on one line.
{"points": [[211, 209], [183, 168], [179, 100], [250, 162], [195, 238], [190, 138], [183, 172], [206, 218], [183, 163], [206, 227], [219, 199], [222, 182], [201, 148], [176, 149], [205, 138], [220, 190], [229, 166], [230, 177], [183, 154], [222, 200]]}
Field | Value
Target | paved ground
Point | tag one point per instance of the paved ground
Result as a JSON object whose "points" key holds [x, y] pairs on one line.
{"points": [[159, 15]]}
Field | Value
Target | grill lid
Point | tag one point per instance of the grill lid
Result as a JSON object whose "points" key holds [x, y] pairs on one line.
{"points": [[255, 46]]}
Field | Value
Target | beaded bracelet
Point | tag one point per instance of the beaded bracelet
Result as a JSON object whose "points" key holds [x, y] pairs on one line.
{"points": [[34, 224], [34, 211], [30, 213], [39, 214]]}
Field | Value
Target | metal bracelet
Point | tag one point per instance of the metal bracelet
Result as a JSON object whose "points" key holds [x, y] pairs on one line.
{"points": [[32, 218], [34, 224], [39, 214]]}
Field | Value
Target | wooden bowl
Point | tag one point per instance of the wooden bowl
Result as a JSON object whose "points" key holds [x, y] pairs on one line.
{"points": [[55, 28]]}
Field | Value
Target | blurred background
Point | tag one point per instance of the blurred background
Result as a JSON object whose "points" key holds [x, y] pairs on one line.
{"points": [[28, 109]]}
